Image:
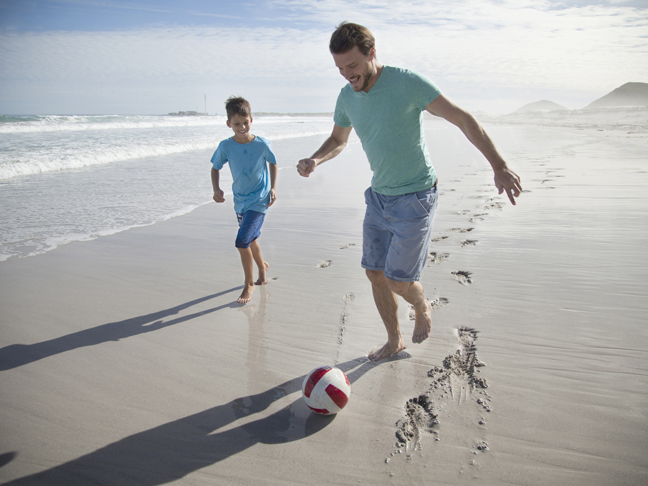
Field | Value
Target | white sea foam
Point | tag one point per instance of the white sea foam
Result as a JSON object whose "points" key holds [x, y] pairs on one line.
{"points": [[49, 144], [77, 178]]}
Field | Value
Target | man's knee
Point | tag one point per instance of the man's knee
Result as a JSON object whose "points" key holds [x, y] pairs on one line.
{"points": [[376, 277], [398, 287]]}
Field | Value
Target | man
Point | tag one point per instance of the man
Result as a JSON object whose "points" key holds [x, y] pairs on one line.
{"points": [[385, 104]]}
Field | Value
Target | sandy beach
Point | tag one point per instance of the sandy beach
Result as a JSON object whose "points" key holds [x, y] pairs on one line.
{"points": [[126, 360]]}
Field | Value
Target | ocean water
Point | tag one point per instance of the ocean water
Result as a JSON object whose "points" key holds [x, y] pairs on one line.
{"points": [[76, 178]]}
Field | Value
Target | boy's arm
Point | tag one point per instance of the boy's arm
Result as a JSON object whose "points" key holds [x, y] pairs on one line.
{"points": [[331, 147], [273, 184], [219, 195]]}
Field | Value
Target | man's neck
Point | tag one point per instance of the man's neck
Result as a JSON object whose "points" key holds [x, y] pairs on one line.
{"points": [[378, 68]]}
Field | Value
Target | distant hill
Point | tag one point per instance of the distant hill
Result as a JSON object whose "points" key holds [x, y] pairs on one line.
{"points": [[630, 94], [540, 106]]}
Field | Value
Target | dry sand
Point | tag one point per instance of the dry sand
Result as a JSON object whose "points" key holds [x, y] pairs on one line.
{"points": [[125, 360]]}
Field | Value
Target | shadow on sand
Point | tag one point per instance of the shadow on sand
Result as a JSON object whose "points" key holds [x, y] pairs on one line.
{"points": [[17, 355], [176, 449]]}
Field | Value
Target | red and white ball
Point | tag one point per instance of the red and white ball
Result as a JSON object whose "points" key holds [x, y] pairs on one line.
{"points": [[326, 390]]}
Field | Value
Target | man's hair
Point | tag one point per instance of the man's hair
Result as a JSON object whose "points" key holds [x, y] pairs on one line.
{"points": [[347, 35], [235, 105]]}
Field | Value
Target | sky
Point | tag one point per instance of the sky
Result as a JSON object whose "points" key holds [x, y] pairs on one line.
{"points": [[161, 56]]}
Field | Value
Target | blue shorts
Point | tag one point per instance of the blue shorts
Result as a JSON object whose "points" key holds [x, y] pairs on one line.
{"points": [[396, 233], [249, 228]]}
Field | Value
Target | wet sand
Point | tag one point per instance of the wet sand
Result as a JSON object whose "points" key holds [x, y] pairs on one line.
{"points": [[126, 360]]}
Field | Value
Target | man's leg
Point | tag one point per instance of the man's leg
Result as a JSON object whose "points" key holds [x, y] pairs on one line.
{"points": [[386, 292], [260, 262], [387, 305], [414, 294]]}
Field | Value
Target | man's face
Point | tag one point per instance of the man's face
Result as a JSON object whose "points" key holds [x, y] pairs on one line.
{"points": [[358, 69]]}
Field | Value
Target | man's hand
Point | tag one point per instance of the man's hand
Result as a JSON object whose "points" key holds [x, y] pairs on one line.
{"points": [[509, 181], [219, 196], [306, 166]]}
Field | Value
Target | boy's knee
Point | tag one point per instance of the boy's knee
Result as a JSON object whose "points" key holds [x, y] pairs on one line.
{"points": [[243, 243]]}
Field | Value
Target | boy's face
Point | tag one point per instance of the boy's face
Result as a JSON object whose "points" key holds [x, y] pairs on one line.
{"points": [[241, 127]]}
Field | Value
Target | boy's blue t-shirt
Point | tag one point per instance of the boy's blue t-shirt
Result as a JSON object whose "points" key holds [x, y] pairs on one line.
{"points": [[389, 122], [247, 161]]}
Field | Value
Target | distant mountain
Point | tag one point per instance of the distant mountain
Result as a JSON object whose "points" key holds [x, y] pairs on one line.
{"points": [[540, 106], [630, 94]]}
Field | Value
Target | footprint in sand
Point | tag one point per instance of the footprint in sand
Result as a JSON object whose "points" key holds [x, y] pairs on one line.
{"points": [[434, 304], [463, 277], [435, 257], [494, 205], [438, 303], [462, 230], [344, 247], [469, 243], [344, 318], [325, 263], [439, 238], [457, 380]]}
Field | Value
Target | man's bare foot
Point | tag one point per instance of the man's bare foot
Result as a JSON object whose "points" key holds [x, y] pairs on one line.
{"points": [[422, 323], [387, 350], [246, 295], [262, 275]]}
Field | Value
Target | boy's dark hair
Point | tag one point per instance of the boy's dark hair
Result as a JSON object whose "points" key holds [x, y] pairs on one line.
{"points": [[235, 105], [347, 35]]}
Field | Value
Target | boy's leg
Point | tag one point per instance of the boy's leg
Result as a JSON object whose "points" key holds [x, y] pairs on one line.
{"points": [[249, 231], [260, 262], [247, 261]]}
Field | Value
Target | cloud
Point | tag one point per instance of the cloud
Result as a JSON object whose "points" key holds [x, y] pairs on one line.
{"points": [[479, 52]]}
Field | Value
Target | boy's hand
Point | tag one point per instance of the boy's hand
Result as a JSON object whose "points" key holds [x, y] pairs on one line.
{"points": [[219, 196], [306, 166], [273, 198]]}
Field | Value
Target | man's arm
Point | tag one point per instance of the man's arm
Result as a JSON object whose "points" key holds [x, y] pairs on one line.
{"points": [[331, 147], [505, 178], [219, 196]]}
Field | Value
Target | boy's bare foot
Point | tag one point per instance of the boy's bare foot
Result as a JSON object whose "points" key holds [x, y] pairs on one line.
{"points": [[422, 323], [262, 275], [387, 350], [246, 295]]}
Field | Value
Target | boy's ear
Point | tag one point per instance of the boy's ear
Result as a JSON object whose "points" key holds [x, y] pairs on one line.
{"points": [[228, 124]]}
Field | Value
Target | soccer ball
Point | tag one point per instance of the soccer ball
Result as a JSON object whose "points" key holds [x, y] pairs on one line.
{"points": [[326, 390]]}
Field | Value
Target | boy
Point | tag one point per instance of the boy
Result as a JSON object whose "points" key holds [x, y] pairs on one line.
{"points": [[249, 158]]}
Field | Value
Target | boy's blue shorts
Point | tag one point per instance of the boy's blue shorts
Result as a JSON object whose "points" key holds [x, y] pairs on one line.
{"points": [[396, 233], [250, 223]]}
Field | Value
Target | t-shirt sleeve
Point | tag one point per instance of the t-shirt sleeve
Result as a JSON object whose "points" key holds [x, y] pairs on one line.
{"points": [[269, 154], [423, 90], [340, 118], [219, 159]]}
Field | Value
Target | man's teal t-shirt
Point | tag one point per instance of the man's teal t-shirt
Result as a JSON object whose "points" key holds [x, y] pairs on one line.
{"points": [[247, 161], [389, 122]]}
